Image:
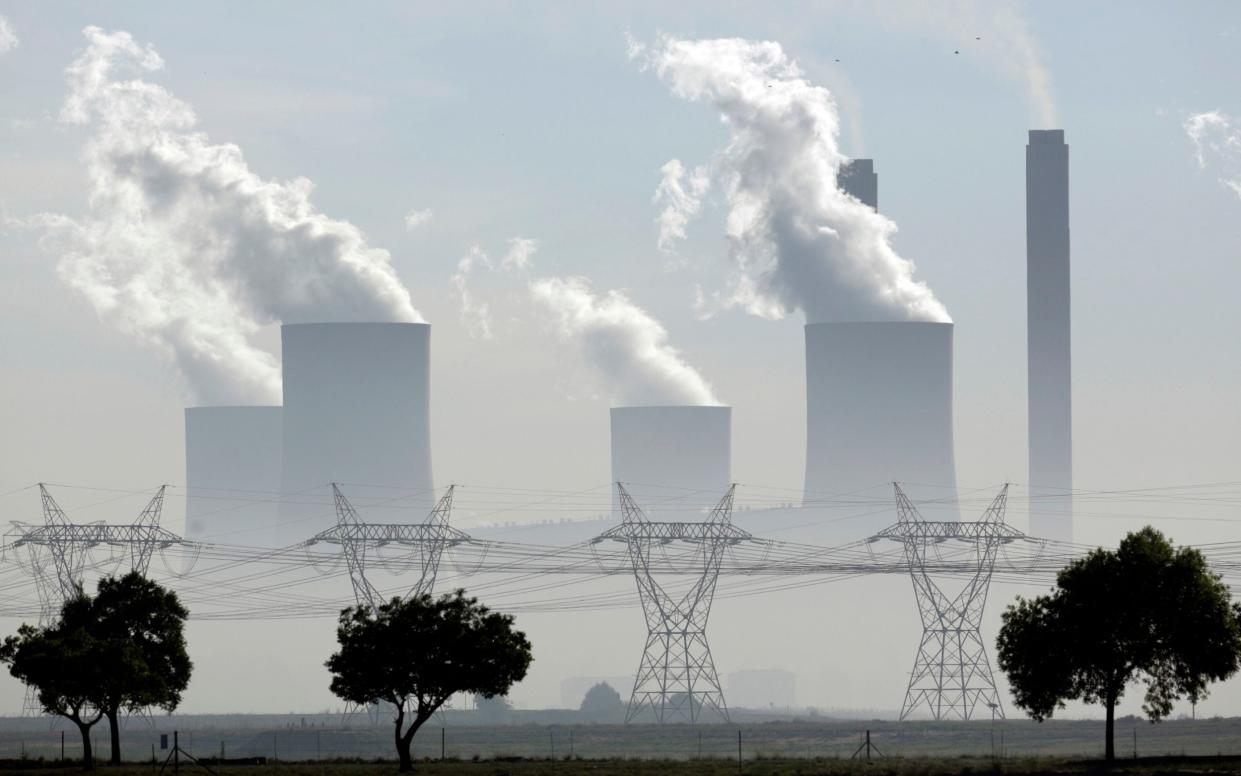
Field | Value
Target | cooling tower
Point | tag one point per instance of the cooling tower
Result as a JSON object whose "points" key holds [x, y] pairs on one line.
{"points": [[1048, 318], [232, 474], [857, 177], [356, 411], [675, 461], [878, 410]]}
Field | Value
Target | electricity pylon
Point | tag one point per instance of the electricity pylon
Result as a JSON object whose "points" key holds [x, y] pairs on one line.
{"points": [[426, 541], [59, 550], [676, 677], [951, 676]]}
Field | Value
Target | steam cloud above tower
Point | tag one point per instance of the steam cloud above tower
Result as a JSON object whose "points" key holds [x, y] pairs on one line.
{"points": [[796, 241], [1217, 142], [186, 248], [623, 343]]}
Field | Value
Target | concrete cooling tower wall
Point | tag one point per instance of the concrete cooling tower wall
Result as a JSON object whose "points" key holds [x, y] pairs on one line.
{"points": [[356, 411], [232, 474], [675, 461], [878, 410]]}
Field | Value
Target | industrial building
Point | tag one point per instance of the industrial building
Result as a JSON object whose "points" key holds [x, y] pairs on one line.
{"points": [[1048, 320]]}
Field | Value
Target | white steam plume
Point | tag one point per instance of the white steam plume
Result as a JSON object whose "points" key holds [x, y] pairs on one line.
{"points": [[476, 315], [8, 36], [626, 346], [681, 195], [1217, 141], [416, 218], [995, 31], [797, 241], [187, 248]]}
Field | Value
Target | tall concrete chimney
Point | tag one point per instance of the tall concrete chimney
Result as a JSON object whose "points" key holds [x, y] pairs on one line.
{"points": [[879, 410], [675, 461], [857, 178], [232, 474], [1048, 317], [356, 411]]}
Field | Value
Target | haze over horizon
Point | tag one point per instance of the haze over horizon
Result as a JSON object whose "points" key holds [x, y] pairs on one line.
{"points": [[606, 207]]}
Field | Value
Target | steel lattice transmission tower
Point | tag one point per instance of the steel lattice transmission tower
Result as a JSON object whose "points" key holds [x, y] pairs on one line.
{"points": [[59, 550], [426, 542], [676, 677], [951, 676]]}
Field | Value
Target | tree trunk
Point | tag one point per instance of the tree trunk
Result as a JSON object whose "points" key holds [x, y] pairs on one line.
{"points": [[407, 741], [1109, 752], [88, 755], [402, 743], [115, 740]]}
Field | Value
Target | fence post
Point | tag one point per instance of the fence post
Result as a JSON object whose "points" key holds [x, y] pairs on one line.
{"points": [[441, 744], [738, 750]]}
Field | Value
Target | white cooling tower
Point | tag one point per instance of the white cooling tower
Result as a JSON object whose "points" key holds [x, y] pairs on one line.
{"points": [[356, 411], [232, 474], [675, 461], [878, 410]]}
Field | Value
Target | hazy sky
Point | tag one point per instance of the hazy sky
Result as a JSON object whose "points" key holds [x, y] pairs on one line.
{"points": [[495, 145]]}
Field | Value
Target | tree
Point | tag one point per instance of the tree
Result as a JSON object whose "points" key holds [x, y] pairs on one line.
{"points": [[416, 653], [61, 662], [133, 655], [1146, 612], [142, 629], [602, 703]]}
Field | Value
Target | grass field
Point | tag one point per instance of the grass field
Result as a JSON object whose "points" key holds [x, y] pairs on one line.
{"points": [[789, 746], [706, 767]]}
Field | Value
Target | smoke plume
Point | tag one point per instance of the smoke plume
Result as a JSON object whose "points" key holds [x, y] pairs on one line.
{"points": [[187, 248], [475, 314], [681, 196], [8, 37], [797, 241], [416, 218], [994, 31], [627, 348], [1217, 142]]}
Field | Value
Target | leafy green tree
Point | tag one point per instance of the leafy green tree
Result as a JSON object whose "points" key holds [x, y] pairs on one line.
{"points": [[416, 653], [141, 627], [602, 703], [61, 662], [123, 650], [1145, 612]]}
